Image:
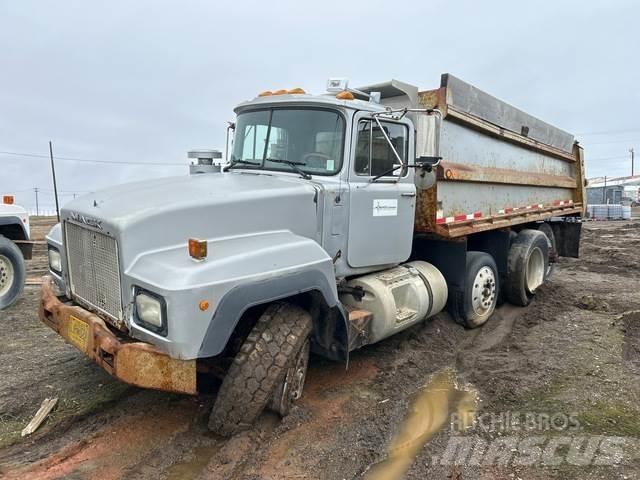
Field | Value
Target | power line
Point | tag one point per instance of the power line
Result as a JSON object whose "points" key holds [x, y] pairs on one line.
{"points": [[606, 158], [611, 141], [88, 160], [609, 132]]}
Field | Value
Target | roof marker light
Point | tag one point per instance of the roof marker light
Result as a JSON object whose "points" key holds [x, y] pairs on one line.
{"points": [[345, 95]]}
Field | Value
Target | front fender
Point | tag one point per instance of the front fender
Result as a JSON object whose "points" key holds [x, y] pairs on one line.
{"points": [[238, 273]]}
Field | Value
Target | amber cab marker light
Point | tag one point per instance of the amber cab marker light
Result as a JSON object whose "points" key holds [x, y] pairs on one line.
{"points": [[266, 93], [7, 199], [345, 95], [297, 91], [197, 248], [280, 92], [204, 305]]}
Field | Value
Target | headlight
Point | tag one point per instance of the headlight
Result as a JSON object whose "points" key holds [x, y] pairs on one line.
{"points": [[149, 310], [55, 261]]}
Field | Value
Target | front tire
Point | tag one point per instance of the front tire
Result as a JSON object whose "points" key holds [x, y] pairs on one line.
{"points": [[12, 272], [278, 343]]}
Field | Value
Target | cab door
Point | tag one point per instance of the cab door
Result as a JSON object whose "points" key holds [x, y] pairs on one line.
{"points": [[381, 211]]}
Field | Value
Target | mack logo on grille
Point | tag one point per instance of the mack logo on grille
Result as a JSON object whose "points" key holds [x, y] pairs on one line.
{"points": [[92, 222]]}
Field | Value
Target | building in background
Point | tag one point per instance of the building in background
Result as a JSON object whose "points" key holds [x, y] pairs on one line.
{"points": [[619, 190]]}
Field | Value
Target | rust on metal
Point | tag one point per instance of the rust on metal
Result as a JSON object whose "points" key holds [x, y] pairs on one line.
{"points": [[475, 173], [581, 189], [359, 327], [132, 362], [467, 227], [426, 204]]}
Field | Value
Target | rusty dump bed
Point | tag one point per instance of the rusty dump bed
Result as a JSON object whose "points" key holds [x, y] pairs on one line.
{"points": [[500, 166]]}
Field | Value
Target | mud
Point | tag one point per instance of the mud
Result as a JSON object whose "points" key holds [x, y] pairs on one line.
{"points": [[575, 350]]}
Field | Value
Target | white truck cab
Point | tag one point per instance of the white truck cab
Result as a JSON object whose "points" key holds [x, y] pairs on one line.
{"points": [[14, 227]]}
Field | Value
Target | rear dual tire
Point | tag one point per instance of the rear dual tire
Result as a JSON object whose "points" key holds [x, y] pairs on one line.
{"points": [[527, 266], [478, 301]]}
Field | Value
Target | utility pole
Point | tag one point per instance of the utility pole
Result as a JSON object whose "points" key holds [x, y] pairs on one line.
{"points": [[55, 186], [632, 155], [37, 209]]}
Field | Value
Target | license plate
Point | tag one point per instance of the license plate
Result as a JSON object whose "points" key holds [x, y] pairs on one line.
{"points": [[78, 332]]}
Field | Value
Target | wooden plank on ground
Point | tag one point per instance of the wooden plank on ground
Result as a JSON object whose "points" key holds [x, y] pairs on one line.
{"points": [[41, 414]]}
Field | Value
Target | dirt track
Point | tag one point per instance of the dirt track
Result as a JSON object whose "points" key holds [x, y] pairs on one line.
{"points": [[575, 351]]}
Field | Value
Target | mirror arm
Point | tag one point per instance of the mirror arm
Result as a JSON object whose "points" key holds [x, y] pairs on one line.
{"points": [[386, 137]]}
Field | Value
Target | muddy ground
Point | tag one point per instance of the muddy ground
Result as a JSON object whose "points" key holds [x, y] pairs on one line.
{"points": [[569, 363]]}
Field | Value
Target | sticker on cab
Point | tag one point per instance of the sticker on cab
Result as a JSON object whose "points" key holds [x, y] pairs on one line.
{"points": [[385, 207]]}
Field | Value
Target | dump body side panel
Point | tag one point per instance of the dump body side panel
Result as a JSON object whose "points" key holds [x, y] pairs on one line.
{"points": [[491, 175]]}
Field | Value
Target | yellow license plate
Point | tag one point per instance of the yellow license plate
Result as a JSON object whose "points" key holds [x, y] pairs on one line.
{"points": [[78, 332]]}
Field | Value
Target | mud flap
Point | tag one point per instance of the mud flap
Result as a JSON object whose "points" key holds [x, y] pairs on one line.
{"points": [[331, 337], [567, 238]]}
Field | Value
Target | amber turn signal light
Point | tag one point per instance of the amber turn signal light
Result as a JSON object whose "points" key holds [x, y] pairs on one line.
{"points": [[197, 249], [7, 199], [345, 95]]}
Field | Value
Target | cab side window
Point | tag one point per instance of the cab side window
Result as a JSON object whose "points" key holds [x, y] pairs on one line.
{"points": [[374, 156]]}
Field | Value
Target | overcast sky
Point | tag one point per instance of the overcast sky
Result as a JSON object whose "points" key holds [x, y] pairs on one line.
{"points": [[146, 81]]}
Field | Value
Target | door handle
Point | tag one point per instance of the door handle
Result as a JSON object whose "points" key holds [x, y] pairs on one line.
{"points": [[408, 194]]}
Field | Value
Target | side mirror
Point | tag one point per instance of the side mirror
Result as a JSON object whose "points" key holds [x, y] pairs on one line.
{"points": [[427, 147], [231, 127]]}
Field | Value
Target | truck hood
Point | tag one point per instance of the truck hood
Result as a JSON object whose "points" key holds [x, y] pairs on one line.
{"points": [[162, 213]]}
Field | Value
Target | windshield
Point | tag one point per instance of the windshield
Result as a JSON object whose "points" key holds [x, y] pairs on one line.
{"points": [[313, 138]]}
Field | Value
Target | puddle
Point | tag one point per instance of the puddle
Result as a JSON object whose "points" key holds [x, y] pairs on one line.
{"points": [[195, 464], [429, 412]]}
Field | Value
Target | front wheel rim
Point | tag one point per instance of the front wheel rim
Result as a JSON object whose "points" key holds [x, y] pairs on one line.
{"points": [[291, 388], [7, 275], [483, 293]]}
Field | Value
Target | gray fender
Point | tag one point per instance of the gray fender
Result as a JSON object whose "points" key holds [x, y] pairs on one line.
{"points": [[238, 273], [302, 266]]}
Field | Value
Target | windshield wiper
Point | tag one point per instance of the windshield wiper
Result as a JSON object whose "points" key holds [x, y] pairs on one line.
{"points": [[294, 165], [238, 162]]}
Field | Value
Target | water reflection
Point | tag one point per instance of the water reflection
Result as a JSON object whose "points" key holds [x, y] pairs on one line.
{"points": [[428, 414]]}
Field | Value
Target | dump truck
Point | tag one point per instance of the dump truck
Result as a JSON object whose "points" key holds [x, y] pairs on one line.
{"points": [[338, 220], [14, 249]]}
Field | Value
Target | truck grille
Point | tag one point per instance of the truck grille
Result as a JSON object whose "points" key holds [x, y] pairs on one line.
{"points": [[94, 270]]}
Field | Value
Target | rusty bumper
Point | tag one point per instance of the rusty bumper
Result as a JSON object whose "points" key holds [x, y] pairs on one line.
{"points": [[135, 363]]}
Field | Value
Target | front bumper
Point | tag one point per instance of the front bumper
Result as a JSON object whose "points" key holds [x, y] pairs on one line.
{"points": [[132, 362]]}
